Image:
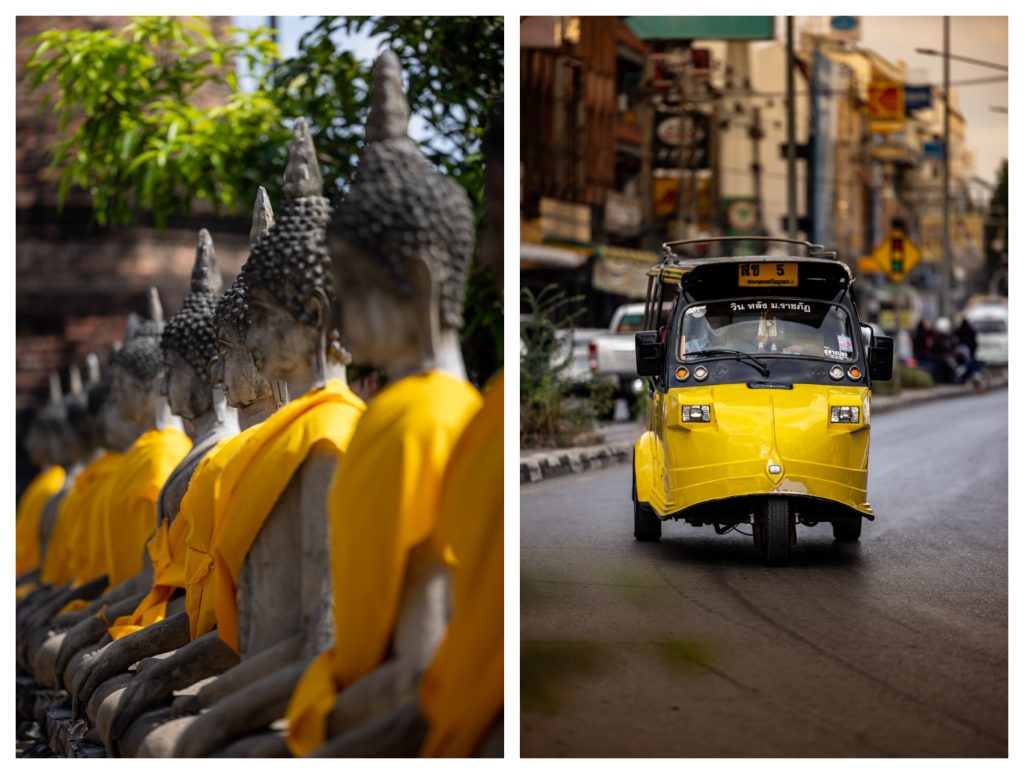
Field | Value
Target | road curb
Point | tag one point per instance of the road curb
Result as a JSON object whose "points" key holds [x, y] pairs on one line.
{"points": [[542, 465]]}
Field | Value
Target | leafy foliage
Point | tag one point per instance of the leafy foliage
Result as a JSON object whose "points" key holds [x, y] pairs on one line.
{"points": [[552, 410], [453, 67], [141, 139]]}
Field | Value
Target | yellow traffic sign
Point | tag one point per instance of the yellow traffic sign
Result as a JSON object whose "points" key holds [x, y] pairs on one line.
{"points": [[896, 255]]}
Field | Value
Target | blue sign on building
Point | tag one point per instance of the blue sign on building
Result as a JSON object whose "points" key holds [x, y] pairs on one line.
{"points": [[932, 150], [916, 98]]}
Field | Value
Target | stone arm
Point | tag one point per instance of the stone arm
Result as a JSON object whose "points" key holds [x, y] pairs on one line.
{"points": [[36, 629], [32, 576], [236, 679], [89, 631], [160, 637], [251, 709], [118, 596], [396, 734], [157, 679], [422, 618]]}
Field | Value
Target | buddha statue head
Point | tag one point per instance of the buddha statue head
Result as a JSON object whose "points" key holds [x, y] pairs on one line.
{"points": [[44, 439], [287, 278], [232, 365], [188, 342], [401, 245], [82, 433], [135, 383]]}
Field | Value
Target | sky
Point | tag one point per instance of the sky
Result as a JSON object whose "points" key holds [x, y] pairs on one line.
{"points": [[291, 28], [978, 37]]}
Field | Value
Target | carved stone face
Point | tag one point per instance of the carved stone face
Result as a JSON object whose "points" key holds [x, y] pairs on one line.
{"points": [[187, 395], [280, 344], [128, 412], [378, 326], [234, 370]]}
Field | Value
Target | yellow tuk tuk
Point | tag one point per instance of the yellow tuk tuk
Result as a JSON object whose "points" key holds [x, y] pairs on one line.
{"points": [[760, 397]]}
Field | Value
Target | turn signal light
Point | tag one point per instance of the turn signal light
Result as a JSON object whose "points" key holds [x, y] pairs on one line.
{"points": [[853, 372], [682, 374]]}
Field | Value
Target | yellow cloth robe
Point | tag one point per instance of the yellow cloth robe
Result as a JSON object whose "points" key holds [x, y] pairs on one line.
{"points": [[30, 510], [198, 512], [167, 552], [258, 474], [463, 691], [67, 550], [131, 512], [383, 502]]}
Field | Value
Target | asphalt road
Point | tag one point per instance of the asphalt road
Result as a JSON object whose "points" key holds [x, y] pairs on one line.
{"points": [[896, 646]]}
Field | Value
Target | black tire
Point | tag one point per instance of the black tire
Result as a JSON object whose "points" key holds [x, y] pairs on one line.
{"points": [[646, 524], [775, 531], [847, 530]]}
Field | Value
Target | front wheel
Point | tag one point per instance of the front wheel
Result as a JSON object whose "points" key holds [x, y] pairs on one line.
{"points": [[847, 530], [775, 531], [646, 524]]}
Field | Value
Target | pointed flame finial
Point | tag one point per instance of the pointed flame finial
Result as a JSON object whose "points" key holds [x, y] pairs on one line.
{"points": [[302, 175], [205, 272], [262, 216], [389, 110]]}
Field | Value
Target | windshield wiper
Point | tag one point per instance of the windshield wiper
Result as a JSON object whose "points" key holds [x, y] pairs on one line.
{"points": [[743, 357]]}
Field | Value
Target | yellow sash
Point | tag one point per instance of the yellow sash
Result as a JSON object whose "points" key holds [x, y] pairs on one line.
{"points": [[198, 511], [30, 509], [167, 552], [131, 512], [258, 474], [383, 502], [463, 690], [66, 550]]}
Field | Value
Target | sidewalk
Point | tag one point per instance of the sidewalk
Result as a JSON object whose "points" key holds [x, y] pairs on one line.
{"points": [[537, 465]]}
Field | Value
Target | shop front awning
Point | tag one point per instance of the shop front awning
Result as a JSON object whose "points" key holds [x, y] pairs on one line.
{"points": [[622, 270], [535, 256]]}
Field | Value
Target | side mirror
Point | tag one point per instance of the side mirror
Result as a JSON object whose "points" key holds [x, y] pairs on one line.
{"points": [[649, 354], [865, 335], [880, 359]]}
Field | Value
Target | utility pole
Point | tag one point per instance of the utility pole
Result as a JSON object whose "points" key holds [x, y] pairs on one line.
{"points": [[790, 135], [945, 301]]}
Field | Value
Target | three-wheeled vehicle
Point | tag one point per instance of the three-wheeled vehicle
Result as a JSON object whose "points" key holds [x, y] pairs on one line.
{"points": [[760, 397]]}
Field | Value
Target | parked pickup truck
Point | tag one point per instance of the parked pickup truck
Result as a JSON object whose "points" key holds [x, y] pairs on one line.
{"points": [[612, 353]]}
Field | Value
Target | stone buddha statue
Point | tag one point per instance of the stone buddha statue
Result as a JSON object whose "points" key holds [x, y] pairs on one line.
{"points": [[230, 368], [400, 250], [71, 441], [272, 571], [121, 512], [188, 342]]}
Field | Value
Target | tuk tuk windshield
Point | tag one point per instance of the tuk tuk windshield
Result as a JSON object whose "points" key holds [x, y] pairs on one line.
{"points": [[768, 326]]}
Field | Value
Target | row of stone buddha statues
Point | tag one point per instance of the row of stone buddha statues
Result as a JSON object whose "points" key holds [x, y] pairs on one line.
{"points": [[227, 553]]}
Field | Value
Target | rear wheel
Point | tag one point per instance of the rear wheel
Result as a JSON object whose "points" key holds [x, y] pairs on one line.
{"points": [[847, 530], [646, 524], [774, 532]]}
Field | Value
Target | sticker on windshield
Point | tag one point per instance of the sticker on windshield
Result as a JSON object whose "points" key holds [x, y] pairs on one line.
{"points": [[845, 344], [835, 354]]}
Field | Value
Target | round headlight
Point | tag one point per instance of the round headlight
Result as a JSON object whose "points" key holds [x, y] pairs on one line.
{"points": [[853, 372], [700, 373], [836, 372], [682, 374]]}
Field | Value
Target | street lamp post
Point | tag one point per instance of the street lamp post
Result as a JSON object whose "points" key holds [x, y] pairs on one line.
{"points": [[945, 305]]}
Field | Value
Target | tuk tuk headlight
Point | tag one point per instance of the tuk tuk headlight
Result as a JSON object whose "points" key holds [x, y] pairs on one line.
{"points": [[846, 414], [696, 413], [836, 372]]}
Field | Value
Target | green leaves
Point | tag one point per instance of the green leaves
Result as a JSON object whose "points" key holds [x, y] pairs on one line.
{"points": [[139, 114]]}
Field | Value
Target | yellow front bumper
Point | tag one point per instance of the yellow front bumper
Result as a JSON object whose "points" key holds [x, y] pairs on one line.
{"points": [[680, 465]]}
